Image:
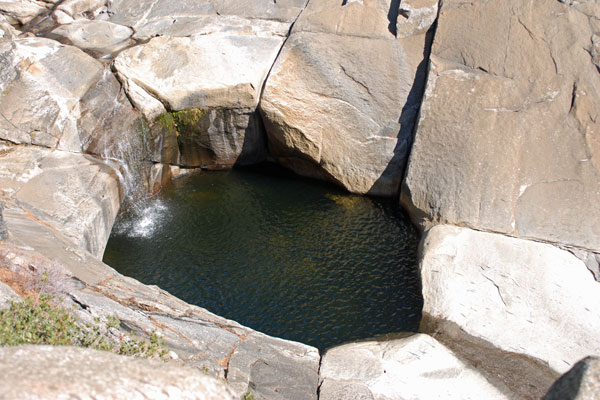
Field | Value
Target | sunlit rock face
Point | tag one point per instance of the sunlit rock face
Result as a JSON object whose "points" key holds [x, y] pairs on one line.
{"points": [[57, 96], [100, 374], [199, 77], [417, 367], [210, 83], [341, 100], [508, 137], [517, 306], [42, 85], [75, 194]]}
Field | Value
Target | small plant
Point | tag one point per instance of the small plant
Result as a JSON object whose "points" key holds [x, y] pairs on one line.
{"points": [[40, 321], [41, 318], [112, 321], [139, 347], [187, 117], [248, 396]]}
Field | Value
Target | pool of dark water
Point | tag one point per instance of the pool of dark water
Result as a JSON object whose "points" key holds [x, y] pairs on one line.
{"points": [[289, 257]]}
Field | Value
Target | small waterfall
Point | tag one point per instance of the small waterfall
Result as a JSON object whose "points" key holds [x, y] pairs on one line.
{"points": [[142, 212], [114, 130], [131, 171], [128, 154]]}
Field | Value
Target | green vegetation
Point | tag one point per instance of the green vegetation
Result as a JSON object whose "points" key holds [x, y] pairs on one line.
{"points": [[181, 122], [187, 117], [248, 396], [41, 321], [141, 348], [168, 122]]}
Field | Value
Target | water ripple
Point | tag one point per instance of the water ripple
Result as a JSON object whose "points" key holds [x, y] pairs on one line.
{"points": [[289, 257]]}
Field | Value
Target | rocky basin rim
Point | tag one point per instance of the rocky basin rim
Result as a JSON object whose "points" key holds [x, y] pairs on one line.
{"points": [[489, 134]]}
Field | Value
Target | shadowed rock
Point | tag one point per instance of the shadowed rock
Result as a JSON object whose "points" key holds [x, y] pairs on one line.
{"points": [[582, 382]]}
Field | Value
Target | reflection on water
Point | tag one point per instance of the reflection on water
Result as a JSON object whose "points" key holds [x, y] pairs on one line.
{"points": [[289, 257]]}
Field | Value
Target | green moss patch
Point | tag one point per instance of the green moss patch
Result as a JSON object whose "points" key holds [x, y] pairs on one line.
{"points": [[181, 122]]}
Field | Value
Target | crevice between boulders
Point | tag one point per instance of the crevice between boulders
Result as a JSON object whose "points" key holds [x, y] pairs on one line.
{"points": [[426, 65], [262, 89]]}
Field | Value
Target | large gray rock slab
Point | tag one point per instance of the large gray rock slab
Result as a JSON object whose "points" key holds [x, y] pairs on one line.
{"points": [[272, 376], [76, 194], [233, 69], [42, 82], [582, 382], [99, 38], [59, 97], [211, 109], [507, 139], [209, 24], [135, 14], [416, 367], [140, 14], [513, 295], [47, 372], [341, 100]]}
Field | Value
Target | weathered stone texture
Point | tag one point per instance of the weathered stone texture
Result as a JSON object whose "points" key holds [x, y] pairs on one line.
{"points": [[341, 100], [57, 96], [202, 71], [518, 296], [99, 38], [76, 194], [47, 372], [41, 88], [508, 138], [416, 367]]}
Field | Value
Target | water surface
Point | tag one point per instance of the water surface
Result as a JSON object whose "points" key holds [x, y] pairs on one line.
{"points": [[292, 258]]}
